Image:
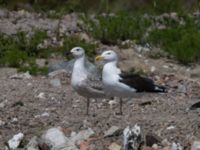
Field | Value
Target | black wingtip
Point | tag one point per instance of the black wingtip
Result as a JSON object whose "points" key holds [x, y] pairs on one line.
{"points": [[160, 89]]}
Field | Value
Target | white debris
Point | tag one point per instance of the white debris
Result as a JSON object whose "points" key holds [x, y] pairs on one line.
{"points": [[176, 146], [45, 114], [165, 66], [15, 141], [171, 127], [132, 137], [21, 76], [111, 131], [195, 145], [153, 69], [82, 135], [55, 83], [41, 95], [3, 104], [55, 137], [14, 120]]}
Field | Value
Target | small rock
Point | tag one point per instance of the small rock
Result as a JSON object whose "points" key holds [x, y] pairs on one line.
{"points": [[15, 141], [33, 144], [41, 62], [114, 130], [182, 88], [21, 76], [55, 83], [153, 69], [3, 104], [82, 135], [114, 146], [14, 120], [41, 95], [165, 66], [171, 127], [132, 137], [176, 146], [54, 137], [195, 145], [165, 142], [45, 114]]}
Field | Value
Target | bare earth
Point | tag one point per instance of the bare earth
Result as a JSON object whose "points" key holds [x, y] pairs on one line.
{"points": [[21, 110]]}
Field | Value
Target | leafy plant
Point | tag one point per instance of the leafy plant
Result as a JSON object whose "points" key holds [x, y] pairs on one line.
{"points": [[113, 29], [182, 41]]}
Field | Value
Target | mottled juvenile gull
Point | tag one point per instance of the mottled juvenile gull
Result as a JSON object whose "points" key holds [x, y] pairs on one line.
{"points": [[85, 82], [120, 84]]}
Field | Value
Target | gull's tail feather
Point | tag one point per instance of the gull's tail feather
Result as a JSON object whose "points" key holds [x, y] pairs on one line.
{"points": [[160, 89]]}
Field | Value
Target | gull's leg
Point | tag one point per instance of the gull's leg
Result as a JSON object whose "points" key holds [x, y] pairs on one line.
{"points": [[121, 103], [88, 105]]}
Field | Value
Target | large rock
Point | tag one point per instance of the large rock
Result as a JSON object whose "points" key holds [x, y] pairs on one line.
{"points": [[195, 145], [54, 137], [15, 141]]}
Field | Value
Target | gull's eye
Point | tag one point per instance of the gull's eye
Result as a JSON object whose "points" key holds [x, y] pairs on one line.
{"points": [[108, 53], [77, 49]]}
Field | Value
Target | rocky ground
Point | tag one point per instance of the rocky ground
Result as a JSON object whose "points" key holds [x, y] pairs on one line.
{"points": [[33, 104]]}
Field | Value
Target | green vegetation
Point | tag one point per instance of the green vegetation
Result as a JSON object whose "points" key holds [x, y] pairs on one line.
{"points": [[21, 51], [114, 29], [106, 6], [182, 41]]}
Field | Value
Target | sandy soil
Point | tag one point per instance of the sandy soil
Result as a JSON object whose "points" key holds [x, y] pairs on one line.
{"points": [[21, 110]]}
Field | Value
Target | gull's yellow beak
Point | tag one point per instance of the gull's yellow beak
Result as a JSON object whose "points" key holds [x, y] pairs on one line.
{"points": [[99, 58]]}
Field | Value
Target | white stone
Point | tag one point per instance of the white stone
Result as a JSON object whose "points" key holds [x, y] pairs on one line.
{"points": [[171, 127], [176, 146], [45, 114], [54, 137], [82, 135], [195, 145], [153, 69], [41, 95], [111, 131], [55, 83], [15, 141]]}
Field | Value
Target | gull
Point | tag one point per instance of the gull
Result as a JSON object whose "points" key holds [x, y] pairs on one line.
{"points": [[121, 84], [85, 82]]}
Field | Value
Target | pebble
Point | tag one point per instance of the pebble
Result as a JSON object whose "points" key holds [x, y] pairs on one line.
{"points": [[112, 131], [25, 75], [54, 137], [41, 95], [171, 127], [15, 141], [195, 145]]}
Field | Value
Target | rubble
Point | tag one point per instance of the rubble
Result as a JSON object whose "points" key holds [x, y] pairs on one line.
{"points": [[15, 141]]}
